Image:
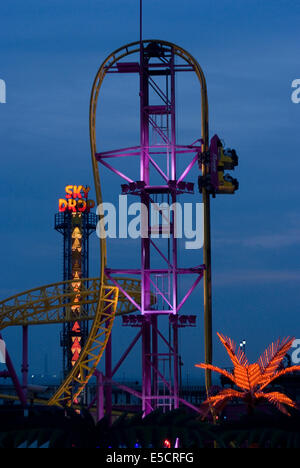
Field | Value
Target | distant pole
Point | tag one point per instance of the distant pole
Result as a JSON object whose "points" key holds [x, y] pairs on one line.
{"points": [[100, 396], [25, 361]]}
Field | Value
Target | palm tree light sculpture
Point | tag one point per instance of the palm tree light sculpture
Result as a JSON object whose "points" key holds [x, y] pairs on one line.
{"points": [[252, 379]]}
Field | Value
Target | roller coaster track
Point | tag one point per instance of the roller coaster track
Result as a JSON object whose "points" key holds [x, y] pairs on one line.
{"points": [[52, 304], [99, 334]]}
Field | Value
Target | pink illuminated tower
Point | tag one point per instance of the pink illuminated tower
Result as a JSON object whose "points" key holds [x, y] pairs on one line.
{"points": [[161, 180]]}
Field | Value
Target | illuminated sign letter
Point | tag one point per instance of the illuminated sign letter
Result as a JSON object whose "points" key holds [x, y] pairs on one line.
{"points": [[90, 204], [85, 191], [81, 205], [62, 205], [72, 205], [69, 189], [77, 191]]}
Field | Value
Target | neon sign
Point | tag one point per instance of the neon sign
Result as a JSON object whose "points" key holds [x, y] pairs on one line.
{"points": [[76, 200]]}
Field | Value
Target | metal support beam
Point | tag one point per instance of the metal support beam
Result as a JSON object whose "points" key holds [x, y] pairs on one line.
{"points": [[25, 365]]}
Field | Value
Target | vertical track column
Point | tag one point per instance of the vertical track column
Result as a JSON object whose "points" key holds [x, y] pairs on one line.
{"points": [[173, 231], [145, 242], [155, 387], [207, 287]]}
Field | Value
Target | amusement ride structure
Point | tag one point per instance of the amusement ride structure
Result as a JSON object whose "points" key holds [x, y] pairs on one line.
{"points": [[147, 296], [76, 223]]}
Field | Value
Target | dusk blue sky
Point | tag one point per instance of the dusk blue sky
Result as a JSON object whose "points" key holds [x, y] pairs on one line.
{"points": [[249, 51]]}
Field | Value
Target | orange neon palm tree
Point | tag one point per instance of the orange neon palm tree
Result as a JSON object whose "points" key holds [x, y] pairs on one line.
{"points": [[252, 379]]}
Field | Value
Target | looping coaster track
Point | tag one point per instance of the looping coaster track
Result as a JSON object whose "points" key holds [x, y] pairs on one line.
{"points": [[52, 303]]}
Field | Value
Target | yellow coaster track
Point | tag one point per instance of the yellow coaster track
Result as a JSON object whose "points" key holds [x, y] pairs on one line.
{"points": [[52, 304]]}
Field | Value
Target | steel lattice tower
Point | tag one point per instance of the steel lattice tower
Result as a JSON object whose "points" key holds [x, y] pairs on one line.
{"points": [[76, 228]]}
